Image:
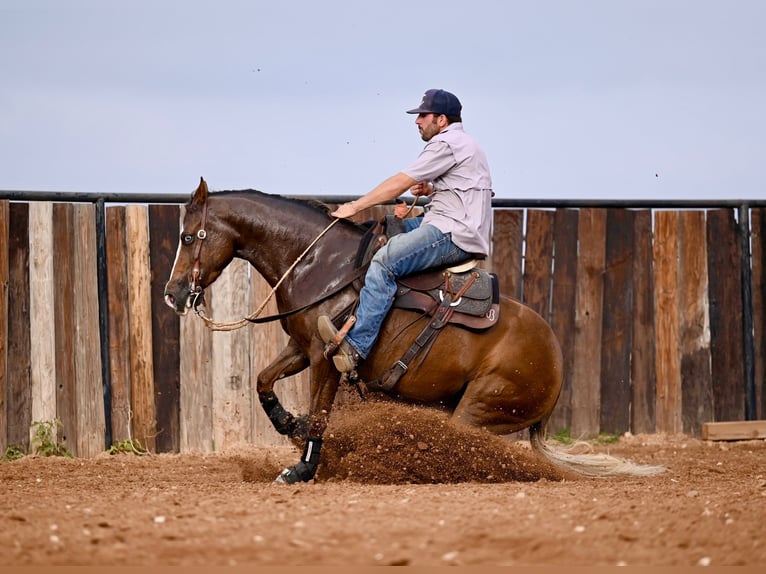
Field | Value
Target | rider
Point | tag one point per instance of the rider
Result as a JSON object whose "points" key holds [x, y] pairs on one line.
{"points": [[452, 170]]}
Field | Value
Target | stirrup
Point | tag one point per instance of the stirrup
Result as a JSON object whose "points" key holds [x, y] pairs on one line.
{"points": [[331, 335]]}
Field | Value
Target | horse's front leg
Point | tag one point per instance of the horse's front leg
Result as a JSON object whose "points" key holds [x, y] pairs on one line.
{"points": [[289, 362], [324, 387]]}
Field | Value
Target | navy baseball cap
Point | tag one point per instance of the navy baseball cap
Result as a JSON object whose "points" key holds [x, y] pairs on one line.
{"points": [[438, 102]]}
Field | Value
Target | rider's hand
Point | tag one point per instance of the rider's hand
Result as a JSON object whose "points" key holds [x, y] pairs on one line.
{"points": [[345, 210], [422, 188]]}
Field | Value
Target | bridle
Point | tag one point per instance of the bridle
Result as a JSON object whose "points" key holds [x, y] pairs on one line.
{"points": [[194, 285], [195, 288]]}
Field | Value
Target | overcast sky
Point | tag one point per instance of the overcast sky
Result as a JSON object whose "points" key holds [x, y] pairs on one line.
{"points": [[570, 98]]}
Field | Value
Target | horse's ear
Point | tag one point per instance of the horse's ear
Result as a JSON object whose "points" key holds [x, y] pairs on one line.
{"points": [[199, 196]]}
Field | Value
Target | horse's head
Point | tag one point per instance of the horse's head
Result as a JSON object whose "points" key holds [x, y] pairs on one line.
{"points": [[204, 250]]}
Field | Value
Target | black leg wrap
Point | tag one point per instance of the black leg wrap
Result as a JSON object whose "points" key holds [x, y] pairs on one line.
{"points": [[284, 422], [307, 467]]}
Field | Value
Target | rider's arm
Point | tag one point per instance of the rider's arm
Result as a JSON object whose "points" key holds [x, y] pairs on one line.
{"points": [[387, 190]]}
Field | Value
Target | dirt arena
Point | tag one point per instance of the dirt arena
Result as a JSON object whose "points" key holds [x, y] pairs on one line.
{"points": [[398, 487]]}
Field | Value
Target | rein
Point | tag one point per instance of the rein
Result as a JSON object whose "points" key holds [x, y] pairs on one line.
{"points": [[253, 317]]}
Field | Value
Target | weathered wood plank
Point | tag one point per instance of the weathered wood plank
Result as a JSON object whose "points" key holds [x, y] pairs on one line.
{"points": [[41, 297], [119, 322], [19, 398], [758, 279], [725, 316], [89, 384], [507, 249], [586, 380], [697, 390], [139, 300], [734, 430], [617, 332], [643, 359], [4, 280], [538, 261], [563, 308], [232, 390], [196, 386], [667, 314], [64, 234], [163, 240]]}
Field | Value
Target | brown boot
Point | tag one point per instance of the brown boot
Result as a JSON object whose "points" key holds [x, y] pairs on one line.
{"points": [[345, 358]]}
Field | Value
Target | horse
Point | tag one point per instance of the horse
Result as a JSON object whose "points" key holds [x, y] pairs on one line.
{"points": [[503, 379]]}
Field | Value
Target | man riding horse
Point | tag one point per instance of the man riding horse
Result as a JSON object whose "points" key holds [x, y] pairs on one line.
{"points": [[452, 170]]}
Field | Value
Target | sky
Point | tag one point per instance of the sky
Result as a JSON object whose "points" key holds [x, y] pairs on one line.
{"points": [[570, 99]]}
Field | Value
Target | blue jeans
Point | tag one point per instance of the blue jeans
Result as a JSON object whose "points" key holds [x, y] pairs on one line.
{"points": [[421, 247]]}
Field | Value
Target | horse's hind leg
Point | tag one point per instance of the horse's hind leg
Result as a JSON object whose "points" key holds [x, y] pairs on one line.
{"points": [[289, 362], [501, 406]]}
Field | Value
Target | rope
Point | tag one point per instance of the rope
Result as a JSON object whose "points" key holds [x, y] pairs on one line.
{"points": [[234, 325]]}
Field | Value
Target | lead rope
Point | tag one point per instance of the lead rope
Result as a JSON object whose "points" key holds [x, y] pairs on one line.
{"points": [[234, 325]]}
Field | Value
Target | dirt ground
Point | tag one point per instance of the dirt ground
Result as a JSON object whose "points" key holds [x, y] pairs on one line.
{"points": [[397, 487]]}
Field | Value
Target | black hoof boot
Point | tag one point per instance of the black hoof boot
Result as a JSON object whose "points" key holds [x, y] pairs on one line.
{"points": [[305, 470]]}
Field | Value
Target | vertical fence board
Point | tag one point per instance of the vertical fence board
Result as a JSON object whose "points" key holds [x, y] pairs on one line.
{"points": [[41, 296], [119, 322], [538, 261], [196, 386], [697, 392], [588, 322], [507, 248], [66, 283], [232, 395], [617, 333], [163, 240], [563, 308], [19, 398], [725, 316], [139, 304], [4, 244], [758, 280], [667, 313], [89, 383], [643, 359]]}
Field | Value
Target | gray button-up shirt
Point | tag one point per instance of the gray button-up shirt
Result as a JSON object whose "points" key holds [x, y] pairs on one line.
{"points": [[461, 203]]}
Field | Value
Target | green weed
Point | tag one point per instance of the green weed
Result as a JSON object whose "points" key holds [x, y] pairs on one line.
{"points": [[13, 452], [45, 441], [130, 445]]}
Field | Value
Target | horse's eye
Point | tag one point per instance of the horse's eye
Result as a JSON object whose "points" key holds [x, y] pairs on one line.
{"points": [[187, 239]]}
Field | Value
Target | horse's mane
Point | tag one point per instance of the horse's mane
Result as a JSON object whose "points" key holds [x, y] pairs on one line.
{"points": [[310, 203]]}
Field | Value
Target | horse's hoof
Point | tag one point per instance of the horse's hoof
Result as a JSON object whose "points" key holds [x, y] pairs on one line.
{"points": [[301, 472], [287, 476]]}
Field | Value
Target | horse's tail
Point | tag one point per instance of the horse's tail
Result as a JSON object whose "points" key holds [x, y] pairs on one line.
{"points": [[588, 464]]}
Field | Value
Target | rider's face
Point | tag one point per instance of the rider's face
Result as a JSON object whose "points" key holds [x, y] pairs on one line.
{"points": [[429, 125]]}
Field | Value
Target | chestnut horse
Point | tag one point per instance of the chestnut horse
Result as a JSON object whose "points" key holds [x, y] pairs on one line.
{"points": [[502, 379]]}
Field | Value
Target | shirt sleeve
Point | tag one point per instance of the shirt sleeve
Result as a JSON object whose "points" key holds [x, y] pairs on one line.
{"points": [[435, 160]]}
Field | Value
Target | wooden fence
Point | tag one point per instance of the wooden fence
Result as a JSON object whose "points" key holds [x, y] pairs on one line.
{"points": [[647, 305]]}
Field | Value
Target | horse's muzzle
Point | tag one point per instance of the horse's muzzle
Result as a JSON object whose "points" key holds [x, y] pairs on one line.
{"points": [[180, 305]]}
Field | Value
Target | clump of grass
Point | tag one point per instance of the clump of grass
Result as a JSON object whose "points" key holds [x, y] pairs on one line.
{"points": [[13, 452], [45, 441], [564, 436], [606, 438], [130, 445]]}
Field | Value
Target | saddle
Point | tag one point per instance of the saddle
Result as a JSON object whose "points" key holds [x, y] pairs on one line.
{"points": [[478, 306], [463, 295]]}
